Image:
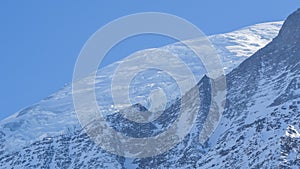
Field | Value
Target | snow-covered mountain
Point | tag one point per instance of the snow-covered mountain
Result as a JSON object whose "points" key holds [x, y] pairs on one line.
{"points": [[57, 112], [262, 95]]}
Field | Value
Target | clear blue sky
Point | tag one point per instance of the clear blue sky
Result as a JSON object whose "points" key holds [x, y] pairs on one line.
{"points": [[40, 41]]}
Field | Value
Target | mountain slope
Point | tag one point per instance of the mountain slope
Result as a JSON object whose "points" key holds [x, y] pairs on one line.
{"points": [[262, 108], [55, 115]]}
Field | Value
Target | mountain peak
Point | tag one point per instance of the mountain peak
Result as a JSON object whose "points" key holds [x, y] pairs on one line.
{"points": [[290, 31]]}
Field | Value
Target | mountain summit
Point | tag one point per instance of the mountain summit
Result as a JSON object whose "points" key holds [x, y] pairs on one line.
{"points": [[290, 31]]}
